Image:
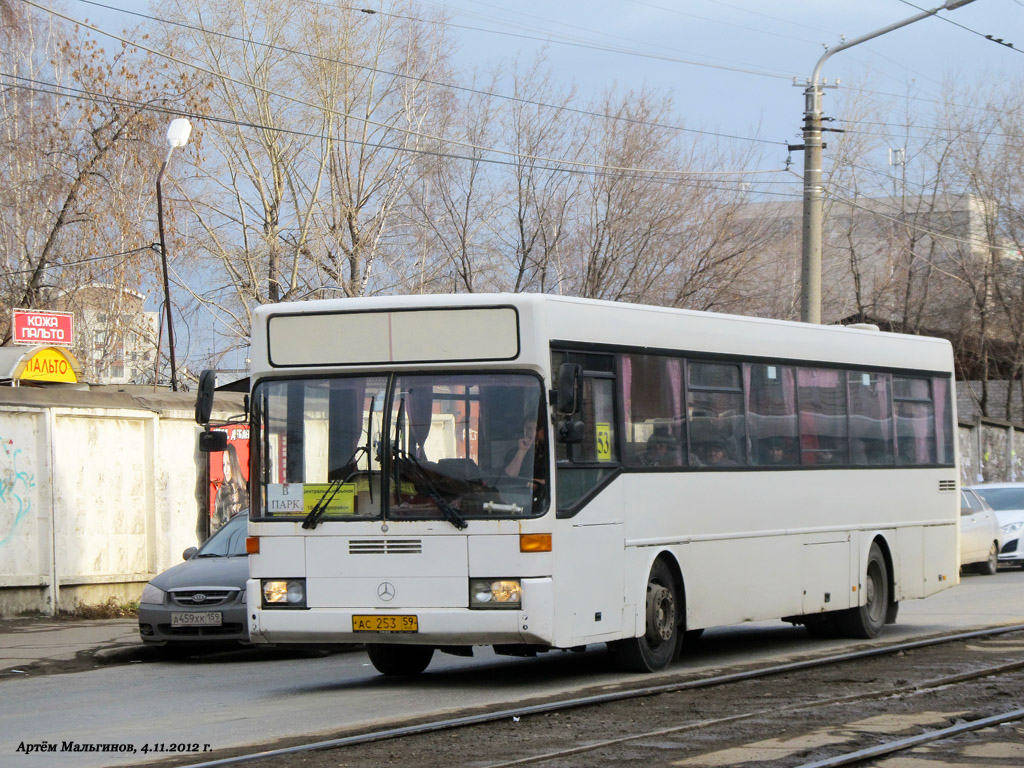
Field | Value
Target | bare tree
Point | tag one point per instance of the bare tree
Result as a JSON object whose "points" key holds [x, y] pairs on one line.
{"points": [[77, 154]]}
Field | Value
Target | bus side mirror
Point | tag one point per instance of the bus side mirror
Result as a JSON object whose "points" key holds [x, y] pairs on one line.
{"points": [[213, 441], [569, 389], [568, 402], [204, 397], [569, 431]]}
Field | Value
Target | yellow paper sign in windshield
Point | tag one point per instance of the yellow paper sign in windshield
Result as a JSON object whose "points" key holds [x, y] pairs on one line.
{"points": [[342, 503], [603, 437]]}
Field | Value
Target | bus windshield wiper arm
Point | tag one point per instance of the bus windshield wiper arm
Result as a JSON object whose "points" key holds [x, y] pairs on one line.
{"points": [[451, 514], [328, 495]]}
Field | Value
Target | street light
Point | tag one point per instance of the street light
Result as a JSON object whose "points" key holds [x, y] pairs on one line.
{"points": [[177, 136], [810, 265]]}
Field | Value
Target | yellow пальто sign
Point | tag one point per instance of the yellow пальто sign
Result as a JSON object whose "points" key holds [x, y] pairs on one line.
{"points": [[49, 365]]}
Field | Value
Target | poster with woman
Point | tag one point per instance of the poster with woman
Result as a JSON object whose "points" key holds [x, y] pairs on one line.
{"points": [[229, 477]]}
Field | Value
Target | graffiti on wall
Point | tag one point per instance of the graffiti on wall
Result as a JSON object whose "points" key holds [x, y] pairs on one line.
{"points": [[15, 491]]}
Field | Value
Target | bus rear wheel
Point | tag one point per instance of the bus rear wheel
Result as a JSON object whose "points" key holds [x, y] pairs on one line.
{"points": [[655, 649], [866, 621], [400, 659]]}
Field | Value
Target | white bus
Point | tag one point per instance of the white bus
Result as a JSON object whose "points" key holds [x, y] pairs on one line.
{"points": [[536, 472]]}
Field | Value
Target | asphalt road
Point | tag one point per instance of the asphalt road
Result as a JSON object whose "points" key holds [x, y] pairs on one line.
{"points": [[240, 699]]}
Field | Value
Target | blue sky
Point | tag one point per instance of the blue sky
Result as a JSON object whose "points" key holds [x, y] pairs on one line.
{"points": [[729, 64], [773, 41]]}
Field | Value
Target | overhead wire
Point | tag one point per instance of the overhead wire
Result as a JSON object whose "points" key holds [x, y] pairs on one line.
{"points": [[375, 123], [840, 194], [76, 262], [955, 23], [591, 46], [641, 175], [424, 80]]}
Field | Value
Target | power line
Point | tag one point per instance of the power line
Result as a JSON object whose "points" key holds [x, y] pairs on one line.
{"points": [[948, 20], [639, 174], [591, 46], [377, 124], [426, 81], [78, 262]]}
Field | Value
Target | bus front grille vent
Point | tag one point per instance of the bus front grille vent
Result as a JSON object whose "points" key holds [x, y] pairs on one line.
{"points": [[385, 547], [947, 485]]}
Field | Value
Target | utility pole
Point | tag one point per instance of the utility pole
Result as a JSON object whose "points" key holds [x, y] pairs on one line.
{"points": [[810, 264]]}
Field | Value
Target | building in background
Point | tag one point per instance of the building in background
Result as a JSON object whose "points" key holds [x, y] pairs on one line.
{"points": [[116, 339]]}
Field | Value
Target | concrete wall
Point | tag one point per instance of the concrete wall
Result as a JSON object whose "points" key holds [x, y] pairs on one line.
{"points": [[991, 452], [99, 491]]}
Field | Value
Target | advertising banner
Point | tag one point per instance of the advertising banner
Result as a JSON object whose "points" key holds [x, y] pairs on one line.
{"points": [[33, 326], [229, 476]]}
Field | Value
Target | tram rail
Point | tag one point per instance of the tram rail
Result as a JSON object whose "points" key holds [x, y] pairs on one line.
{"points": [[689, 684]]}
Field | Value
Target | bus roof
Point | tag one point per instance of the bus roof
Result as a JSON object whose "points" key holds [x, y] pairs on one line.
{"points": [[541, 319]]}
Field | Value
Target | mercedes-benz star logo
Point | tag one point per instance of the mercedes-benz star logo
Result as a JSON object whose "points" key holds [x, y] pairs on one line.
{"points": [[386, 591]]}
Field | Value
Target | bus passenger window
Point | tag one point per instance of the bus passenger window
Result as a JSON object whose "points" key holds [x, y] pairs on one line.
{"points": [[870, 419], [714, 404], [821, 393], [915, 421], [652, 392], [771, 415]]}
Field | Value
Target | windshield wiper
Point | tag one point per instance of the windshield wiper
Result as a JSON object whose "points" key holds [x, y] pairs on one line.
{"points": [[328, 495], [421, 479]]}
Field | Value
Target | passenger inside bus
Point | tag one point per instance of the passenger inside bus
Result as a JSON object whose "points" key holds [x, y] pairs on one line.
{"points": [[717, 455], [659, 451], [526, 459], [775, 452]]}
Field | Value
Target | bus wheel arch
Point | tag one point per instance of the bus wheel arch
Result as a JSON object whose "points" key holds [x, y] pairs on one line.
{"points": [[664, 622]]}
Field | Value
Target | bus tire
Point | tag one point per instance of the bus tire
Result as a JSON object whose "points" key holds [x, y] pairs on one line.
{"points": [[656, 648], [400, 659], [866, 621]]}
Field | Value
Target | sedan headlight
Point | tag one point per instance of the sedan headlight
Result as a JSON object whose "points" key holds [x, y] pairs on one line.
{"points": [[495, 593], [1012, 527], [152, 595], [284, 593]]}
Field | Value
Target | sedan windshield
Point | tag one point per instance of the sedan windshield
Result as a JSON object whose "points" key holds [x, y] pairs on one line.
{"points": [[229, 540], [448, 447], [1002, 498]]}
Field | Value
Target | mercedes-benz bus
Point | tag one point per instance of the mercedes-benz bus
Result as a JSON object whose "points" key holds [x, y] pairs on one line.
{"points": [[535, 472]]}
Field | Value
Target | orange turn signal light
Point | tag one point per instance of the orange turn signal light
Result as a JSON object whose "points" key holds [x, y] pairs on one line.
{"points": [[252, 545], [534, 542]]}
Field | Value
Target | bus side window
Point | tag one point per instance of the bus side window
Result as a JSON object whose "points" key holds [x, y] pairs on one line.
{"points": [[582, 467]]}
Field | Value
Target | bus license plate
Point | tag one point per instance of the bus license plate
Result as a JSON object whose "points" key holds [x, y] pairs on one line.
{"points": [[385, 624], [204, 619]]}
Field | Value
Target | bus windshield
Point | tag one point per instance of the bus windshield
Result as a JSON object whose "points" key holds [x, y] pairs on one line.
{"points": [[412, 447]]}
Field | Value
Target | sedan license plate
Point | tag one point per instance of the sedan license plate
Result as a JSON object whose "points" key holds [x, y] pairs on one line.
{"points": [[197, 619], [375, 623]]}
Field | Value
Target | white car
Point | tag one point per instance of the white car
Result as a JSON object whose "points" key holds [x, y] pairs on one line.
{"points": [[980, 537], [1007, 500]]}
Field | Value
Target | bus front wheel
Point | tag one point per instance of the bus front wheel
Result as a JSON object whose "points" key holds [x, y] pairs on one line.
{"points": [[399, 659], [655, 649], [866, 621]]}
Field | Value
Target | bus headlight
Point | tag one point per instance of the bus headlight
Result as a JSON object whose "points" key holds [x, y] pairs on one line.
{"points": [[284, 593], [495, 593]]}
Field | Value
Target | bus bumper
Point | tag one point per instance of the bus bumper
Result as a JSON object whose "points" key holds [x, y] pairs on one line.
{"points": [[532, 625]]}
